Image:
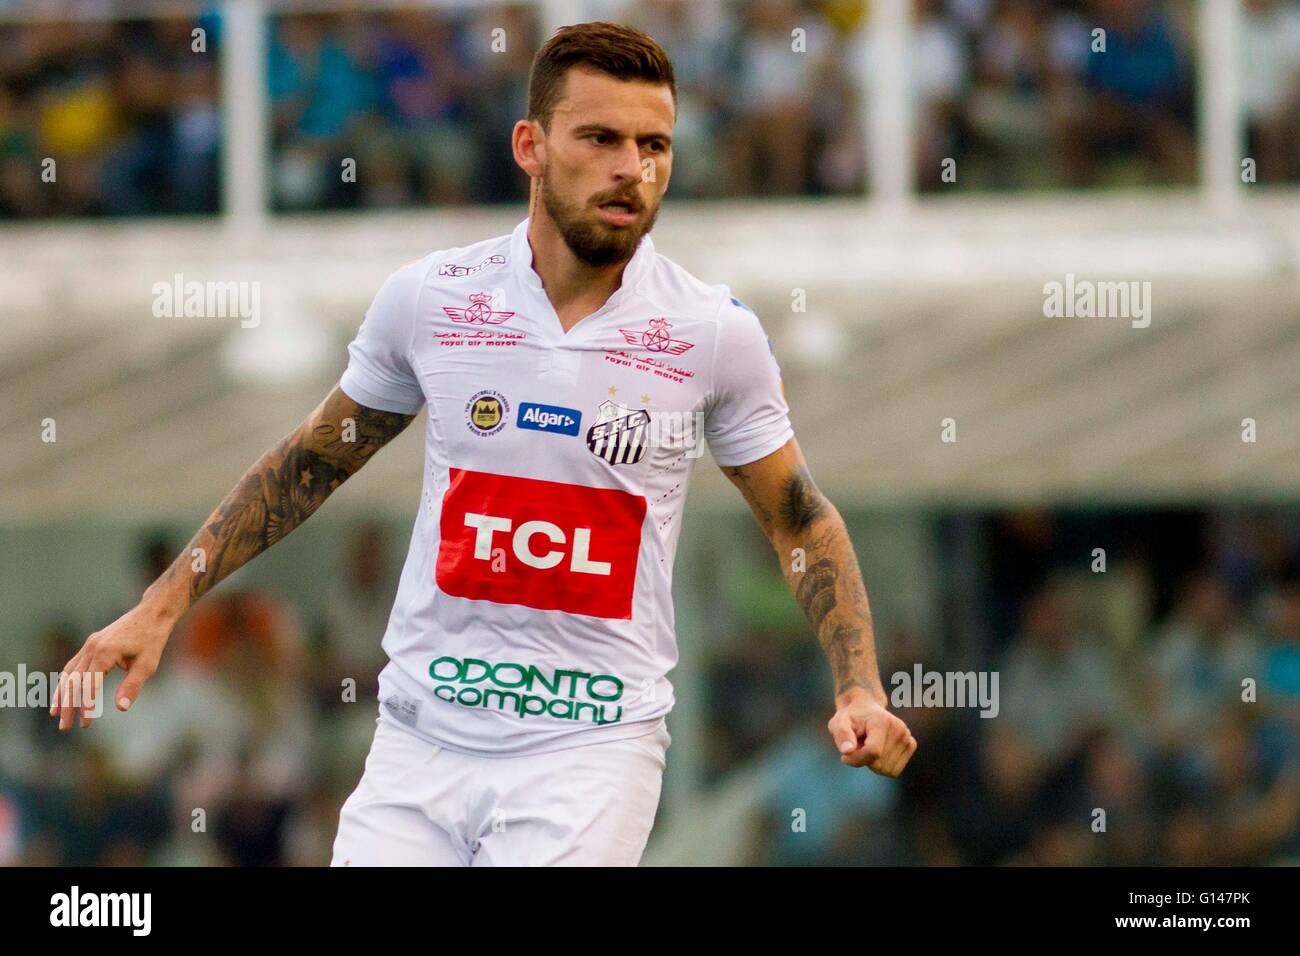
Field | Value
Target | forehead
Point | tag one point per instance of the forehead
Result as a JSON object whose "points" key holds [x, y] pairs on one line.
{"points": [[629, 106]]}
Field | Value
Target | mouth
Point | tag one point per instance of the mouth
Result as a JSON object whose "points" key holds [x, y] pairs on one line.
{"points": [[619, 212]]}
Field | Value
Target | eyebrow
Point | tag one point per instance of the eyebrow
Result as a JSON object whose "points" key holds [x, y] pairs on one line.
{"points": [[588, 128]]}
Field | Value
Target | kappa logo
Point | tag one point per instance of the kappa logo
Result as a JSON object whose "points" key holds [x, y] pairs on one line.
{"points": [[620, 434], [478, 312], [657, 338], [451, 269]]}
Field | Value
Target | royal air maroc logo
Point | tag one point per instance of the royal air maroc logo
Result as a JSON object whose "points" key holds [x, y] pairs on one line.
{"points": [[486, 412], [657, 338], [478, 312], [620, 435]]}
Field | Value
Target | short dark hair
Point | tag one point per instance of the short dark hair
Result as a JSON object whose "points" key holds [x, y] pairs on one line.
{"points": [[622, 52]]}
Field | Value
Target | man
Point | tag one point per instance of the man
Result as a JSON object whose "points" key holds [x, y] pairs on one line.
{"points": [[523, 707]]}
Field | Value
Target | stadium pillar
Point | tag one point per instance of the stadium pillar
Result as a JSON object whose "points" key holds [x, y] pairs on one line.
{"points": [[885, 42], [1220, 115], [244, 95], [559, 13]]}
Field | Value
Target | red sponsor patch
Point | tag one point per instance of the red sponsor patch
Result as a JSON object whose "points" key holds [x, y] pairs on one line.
{"points": [[542, 544], [478, 312], [657, 338]]}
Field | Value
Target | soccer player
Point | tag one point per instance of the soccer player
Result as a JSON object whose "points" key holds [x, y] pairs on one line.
{"points": [[569, 372]]}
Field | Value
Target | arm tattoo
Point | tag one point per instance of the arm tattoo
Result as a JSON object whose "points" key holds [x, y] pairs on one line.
{"points": [[816, 592], [287, 485], [848, 657], [801, 503], [744, 482], [828, 585], [833, 598]]}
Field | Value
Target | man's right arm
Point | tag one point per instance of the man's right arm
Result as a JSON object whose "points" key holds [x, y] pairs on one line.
{"points": [[281, 491]]}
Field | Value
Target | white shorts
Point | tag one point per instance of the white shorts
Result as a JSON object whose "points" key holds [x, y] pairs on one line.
{"points": [[422, 805]]}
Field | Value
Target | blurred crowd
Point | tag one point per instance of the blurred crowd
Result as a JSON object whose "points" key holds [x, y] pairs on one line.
{"points": [[407, 107], [424, 101], [398, 108], [1028, 94], [101, 118], [240, 752], [1024, 94], [1147, 714], [1163, 691]]}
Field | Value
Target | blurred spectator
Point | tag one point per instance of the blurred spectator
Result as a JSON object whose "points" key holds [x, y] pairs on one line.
{"points": [[356, 611], [1242, 810], [940, 71], [1280, 685], [1056, 687], [424, 83], [1141, 95], [356, 614], [1200, 658], [1270, 86], [321, 94], [1117, 782], [771, 144], [498, 78], [822, 812]]}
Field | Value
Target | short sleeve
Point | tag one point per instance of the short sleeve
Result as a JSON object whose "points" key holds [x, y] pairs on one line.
{"points": [[379, 373], [747, 418]]}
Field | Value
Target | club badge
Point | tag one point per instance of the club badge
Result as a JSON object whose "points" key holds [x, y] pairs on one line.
{"points": [[620, 435], [486, 412]]}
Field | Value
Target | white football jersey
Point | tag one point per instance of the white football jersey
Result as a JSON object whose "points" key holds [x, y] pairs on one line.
{"points": [[535, 608]]}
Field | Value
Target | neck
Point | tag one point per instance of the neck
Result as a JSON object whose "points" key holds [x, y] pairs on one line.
{"points": [[575, 288]]}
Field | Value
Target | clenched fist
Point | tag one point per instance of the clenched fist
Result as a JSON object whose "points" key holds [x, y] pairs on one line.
{"points": [[868, 735]]}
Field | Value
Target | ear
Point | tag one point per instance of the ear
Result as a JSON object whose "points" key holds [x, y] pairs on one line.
{"points": [[528, 142]]}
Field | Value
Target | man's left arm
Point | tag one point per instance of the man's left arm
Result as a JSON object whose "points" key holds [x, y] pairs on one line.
{"points": [[827, 583]]}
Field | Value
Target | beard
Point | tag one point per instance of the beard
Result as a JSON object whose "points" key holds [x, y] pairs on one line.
{"points": [[592, 241]]}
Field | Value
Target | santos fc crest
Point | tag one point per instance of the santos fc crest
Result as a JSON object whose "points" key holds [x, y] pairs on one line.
{"points": [[620, 435]]}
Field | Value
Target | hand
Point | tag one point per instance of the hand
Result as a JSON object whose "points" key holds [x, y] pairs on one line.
{"points": [[868, 735], [134, 642]]}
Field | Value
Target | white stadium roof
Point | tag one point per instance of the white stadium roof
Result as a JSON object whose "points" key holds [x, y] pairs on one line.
{"points": [[913, 315]]}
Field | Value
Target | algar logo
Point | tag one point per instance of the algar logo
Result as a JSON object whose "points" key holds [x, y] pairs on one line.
{"points": [[526, 690]]}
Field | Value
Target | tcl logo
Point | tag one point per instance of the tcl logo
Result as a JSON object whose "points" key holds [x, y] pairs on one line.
{"points": [[542, 544], [521, 540]]}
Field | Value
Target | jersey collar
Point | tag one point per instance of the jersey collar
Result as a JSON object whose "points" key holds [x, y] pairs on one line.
{"points": [[521, 255]]}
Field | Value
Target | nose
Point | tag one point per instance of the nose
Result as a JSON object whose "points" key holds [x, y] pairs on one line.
{"points": [[627, 168]]}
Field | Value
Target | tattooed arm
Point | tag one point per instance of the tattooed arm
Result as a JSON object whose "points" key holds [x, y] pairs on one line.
{"points": [[821, 568], [281, 491]]}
